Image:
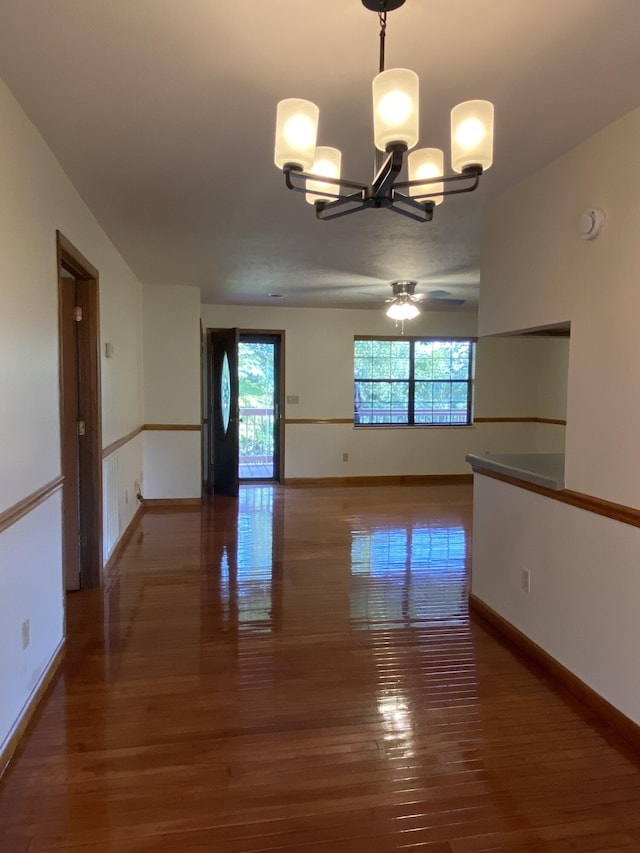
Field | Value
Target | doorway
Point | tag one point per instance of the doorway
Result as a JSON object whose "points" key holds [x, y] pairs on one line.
{"points": [[80, 417], [243, 381], [258, 402]]}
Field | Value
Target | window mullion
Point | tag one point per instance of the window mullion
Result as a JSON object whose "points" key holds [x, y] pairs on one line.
{"points": [[412, 384], [469, 382]]}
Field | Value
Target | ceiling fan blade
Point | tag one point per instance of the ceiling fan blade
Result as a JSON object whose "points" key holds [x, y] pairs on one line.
{"points": [[452, 302]]}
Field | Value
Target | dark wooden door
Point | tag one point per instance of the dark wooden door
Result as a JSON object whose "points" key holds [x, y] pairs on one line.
{"points": [[70, 418], [223, 414], [80, 416]]}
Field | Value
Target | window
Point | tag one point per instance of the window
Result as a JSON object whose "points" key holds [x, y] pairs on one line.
{"points": [[412, 381]]}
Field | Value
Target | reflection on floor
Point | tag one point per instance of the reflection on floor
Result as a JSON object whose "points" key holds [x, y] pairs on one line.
{"points": [[296, 671], [246, 569], [409, 575]]}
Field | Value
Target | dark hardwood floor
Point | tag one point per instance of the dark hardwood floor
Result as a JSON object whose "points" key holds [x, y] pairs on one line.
{"points": [[296, 671]]}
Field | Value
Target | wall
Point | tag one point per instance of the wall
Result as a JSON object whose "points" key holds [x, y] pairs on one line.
{"points": [[536, 271], [171, 391], [319, 370], [121, 380], [36, 199], [526, 377], [551, 357], [122, 477]]}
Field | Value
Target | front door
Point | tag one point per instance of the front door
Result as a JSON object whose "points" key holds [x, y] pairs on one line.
{"points": [[223, 412]]}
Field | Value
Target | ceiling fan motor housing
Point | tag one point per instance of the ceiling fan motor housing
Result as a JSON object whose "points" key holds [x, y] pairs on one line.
{"points": [[404, 287]]}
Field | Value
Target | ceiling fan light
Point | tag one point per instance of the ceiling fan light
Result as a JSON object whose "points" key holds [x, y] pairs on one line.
{"points": [[326, 163], [395, 108], [426, 163], [296, 131], [472, 135], [402, 310]]}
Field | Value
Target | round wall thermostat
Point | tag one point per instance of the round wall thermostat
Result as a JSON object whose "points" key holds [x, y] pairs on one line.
{"points": [[590, 223]]}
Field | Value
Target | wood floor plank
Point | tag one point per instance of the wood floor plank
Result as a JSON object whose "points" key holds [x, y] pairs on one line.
{"points": [[296, 671]]}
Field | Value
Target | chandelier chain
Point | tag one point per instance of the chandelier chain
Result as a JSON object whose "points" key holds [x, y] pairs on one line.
{"points": [[382, 16]]}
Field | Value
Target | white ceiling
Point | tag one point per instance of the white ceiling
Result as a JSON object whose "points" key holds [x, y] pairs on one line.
{"points": [[162, 113]]}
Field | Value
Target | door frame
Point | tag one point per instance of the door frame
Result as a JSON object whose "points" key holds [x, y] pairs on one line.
{"points": [[279, 399], [206, 419], [89, 525]]}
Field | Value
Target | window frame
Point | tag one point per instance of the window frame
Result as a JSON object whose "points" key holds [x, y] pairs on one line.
{"points": [[412, 381]]}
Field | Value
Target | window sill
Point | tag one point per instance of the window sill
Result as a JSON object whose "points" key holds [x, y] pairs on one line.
{"points": [[414, 426]]}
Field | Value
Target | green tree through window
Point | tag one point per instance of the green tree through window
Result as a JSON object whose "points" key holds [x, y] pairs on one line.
{"points": [[256, 381], [255, 374], [412, 382]]}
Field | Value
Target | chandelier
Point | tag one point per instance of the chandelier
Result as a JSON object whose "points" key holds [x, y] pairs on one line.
{"points": [[315, 171]]}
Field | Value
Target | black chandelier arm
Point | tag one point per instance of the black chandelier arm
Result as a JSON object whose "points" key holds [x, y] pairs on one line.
{"points": [[421, 211], [292, 173], [426, 217], [324, 209], [383, 192], [412, 201], [470, 173], [381, 187]]}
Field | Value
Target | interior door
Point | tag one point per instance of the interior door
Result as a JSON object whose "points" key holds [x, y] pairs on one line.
{"points": [[224, 414], [70, 450], [80, 414]]}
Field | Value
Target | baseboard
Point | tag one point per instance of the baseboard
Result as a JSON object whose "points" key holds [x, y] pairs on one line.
{"points": [[169, 503], [123, 540], [9, 747], [394, 480], [558, 673]]}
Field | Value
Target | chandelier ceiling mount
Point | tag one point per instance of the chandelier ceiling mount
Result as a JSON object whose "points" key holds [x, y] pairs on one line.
{"points": [[383, 5]]}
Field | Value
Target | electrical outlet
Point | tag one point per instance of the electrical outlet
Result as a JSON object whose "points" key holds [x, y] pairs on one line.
{"points": [[525, 580], [293, 398], [25, 634], [345, 457]]}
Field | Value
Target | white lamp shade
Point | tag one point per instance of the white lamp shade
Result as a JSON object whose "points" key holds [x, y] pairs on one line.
{"points": [[403, 310], [426, 163], [472, 135], [395, 108], [296, 131], [326, 163]]}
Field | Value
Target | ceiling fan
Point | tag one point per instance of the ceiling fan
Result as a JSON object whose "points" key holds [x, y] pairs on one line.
{"points": [[405, 303], [444, 297]]}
